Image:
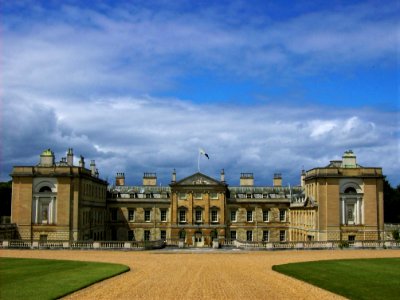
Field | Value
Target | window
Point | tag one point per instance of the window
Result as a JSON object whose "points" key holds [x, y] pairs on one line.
{"points": [[265, 215], [163, 215], [148, 195], [249, 235], [131, 215], [182, 196], [114, 214], [182, 216], [197, 196], [147, 235], [352, 239], [214, 216], [163, 235], [233, 215], [282, 235], [147, 215], [214, 196], [249, 216], [282, 215], [233, 234], [265, 235], [131, 235], [43, 238], [248, 196], [198, 215]]}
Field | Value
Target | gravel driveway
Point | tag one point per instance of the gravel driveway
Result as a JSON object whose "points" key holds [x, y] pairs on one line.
{"points": [[201, 275]]}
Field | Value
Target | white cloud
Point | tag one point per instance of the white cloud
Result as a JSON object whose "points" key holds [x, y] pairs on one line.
{"points": [[136, 135]]}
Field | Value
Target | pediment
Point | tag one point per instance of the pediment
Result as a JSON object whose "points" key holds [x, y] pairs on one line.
{"points": [[198, 179]]}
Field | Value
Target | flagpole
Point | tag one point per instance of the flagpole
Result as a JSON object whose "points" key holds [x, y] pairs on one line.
{"points": [[198, 163]]}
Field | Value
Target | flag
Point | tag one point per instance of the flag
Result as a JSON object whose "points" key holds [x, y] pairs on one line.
{"points": [[204, 153]]}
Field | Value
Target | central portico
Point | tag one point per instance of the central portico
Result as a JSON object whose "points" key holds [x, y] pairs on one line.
{"points": [[198, 205]]}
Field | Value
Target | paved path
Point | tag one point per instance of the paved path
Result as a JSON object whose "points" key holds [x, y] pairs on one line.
{"points": [[201, 274]]}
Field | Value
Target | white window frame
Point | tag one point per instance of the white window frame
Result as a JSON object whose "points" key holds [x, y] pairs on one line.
{"points": [[147, 215], [197, 196], [282, 235], [247, 235], [266, 234], [284, 215], [196, 212], [214, 196], [131, 215], [214, 216], [182, 216], [252, 216], [163, 215], [266, 215], [234, 213]]}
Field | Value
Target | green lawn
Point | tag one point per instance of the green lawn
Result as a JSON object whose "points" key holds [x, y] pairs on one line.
{"points": [[353, 278], [50, 279]]}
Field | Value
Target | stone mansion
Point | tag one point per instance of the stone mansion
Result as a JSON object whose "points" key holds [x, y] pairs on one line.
{"points": [[62, 201]]}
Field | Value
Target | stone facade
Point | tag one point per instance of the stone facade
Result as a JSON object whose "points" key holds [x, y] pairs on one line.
{"points": [[342, 201], [58, 201]]}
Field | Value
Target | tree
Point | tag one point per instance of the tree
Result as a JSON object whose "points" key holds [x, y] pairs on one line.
{"points": [[391, 203], [5, 198]]}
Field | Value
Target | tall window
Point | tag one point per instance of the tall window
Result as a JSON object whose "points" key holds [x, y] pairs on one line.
{"points": [[147, 235], [163, 215], [266, 215], [182, 216], [131, 235], [163, 235], [114, 212], [214, 216], [282, 235], [265, 235], [198, 215], [131, 215], [233, 215], [233, 235], [282, 215], [249, 216], [249, 235], [147, 217]]}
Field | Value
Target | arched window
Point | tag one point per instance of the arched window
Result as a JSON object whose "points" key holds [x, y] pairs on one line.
{"points": [[45, 189], [350, 190]]}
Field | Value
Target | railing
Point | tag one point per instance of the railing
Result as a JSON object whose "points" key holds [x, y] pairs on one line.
{"points": [[147, 245], [316, 245]]}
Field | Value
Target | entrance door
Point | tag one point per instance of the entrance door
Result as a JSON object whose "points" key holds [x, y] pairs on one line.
{"points": [[198, 239]]}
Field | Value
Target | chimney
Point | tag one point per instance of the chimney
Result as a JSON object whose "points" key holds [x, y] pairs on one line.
{"points": [[120, 179], [173, 180], [82, 162], [150, 179], [93, 167], [246, 179], [70, 157], [277, 179], [222, 175], [302, 178], [349, 160], [47, 158]]}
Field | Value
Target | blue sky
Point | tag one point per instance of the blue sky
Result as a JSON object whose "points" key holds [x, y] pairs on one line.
{"points": [[139, 86]]}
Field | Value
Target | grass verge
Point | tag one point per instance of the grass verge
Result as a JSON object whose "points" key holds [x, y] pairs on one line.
{"points": [[353, 278], [22, 278]]}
